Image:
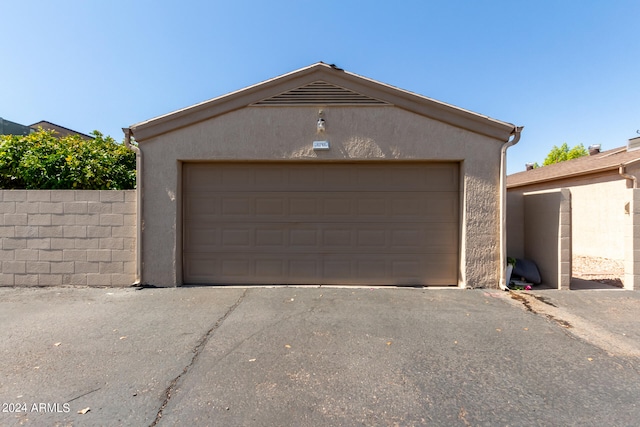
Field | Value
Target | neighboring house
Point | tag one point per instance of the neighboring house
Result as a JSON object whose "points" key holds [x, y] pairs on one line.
{"points": [[602, 207], [321, 176], [8, 127], [60, 131], [12, 128]]}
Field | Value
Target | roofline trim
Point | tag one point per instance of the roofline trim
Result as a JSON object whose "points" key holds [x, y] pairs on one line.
{"points": [[571, 175], [241, 98], [63, 127]]}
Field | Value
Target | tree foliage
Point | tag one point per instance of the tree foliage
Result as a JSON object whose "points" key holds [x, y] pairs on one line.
{"points": [[43, 161], [562, 153]]}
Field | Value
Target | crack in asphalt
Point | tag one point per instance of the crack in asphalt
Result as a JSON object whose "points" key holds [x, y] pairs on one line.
{"points": [[196, 352]]}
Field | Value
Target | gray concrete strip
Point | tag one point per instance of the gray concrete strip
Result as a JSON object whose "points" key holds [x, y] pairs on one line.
{"points": [[114, 351]]}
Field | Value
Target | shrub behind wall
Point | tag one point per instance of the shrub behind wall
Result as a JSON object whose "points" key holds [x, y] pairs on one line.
{"points": [[43, 161]]}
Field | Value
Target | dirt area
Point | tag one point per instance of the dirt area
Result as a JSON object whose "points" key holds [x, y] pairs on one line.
{"points": [[603, 270]]}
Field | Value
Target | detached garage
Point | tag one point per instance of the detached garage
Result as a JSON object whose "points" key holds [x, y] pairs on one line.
{"points": [[319, 177]]}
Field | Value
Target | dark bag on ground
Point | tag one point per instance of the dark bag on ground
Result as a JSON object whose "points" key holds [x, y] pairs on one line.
{"points": [[527, 269]]}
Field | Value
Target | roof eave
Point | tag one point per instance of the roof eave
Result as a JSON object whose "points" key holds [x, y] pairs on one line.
{"points": [[559, 178]]}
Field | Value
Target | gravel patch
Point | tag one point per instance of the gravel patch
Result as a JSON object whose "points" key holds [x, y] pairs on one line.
{"points": [[603, 270]]}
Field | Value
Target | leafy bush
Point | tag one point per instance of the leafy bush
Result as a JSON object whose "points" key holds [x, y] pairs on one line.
{"points": [[43, 161]]}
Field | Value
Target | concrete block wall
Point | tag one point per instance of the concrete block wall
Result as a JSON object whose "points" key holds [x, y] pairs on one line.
{"points": [[632, 241], [67, 237], [547, 235]]}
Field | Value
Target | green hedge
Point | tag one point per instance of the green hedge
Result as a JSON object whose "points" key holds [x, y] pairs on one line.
{"points": [[43, 161]]}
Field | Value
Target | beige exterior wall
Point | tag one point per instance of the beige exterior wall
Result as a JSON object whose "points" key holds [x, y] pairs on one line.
{"points": [[547, 235], [355, 133], [515, 224], [599, 219], [65, 237]]}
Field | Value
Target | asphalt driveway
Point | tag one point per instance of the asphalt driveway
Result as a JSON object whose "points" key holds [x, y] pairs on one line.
{"points": [[318, 356]]}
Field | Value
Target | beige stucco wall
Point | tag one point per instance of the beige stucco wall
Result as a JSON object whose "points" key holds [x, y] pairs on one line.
{"points": [[67, 237], [287, 133], [599, 218]]}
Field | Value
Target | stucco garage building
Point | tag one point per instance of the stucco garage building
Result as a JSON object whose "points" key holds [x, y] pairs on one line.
{"points": [[321, 176]]}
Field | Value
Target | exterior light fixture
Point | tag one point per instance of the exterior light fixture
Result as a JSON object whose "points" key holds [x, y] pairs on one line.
{"points": [[321, 127], [321, 124]]}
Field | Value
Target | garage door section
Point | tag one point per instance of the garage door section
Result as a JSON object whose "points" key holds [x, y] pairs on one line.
{"points": [[357, 223]]}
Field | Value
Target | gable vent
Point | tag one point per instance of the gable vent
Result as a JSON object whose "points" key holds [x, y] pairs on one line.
{"points": [[320, 93]]}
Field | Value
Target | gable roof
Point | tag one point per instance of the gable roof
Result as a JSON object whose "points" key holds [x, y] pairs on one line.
{"points": [[60, 130], [321, 84], [601, 162], [7, 127]]}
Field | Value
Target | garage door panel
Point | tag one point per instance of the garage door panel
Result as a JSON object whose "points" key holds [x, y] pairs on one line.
{"points": [[321, 269], [335, 177], [269, 238], [220, 238], [336, 238], [441, 207], [201, 239], [321, 223], [303, 206], [303, 270], [321, 177], [336, 270], [242, 176], [323, 206], [271, 206], [270, 268], [200, 177], [442, 268], [237, 206], [372, 206], [236, 268], [201, 205], [406, 269], [301, 178], [237, 238], [199, 270], [371, 269], [336, 206], [373, 238], [304, 238], [406, 239]]}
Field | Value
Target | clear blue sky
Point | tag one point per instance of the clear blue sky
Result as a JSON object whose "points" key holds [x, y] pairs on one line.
{"points": [[568, 70]]}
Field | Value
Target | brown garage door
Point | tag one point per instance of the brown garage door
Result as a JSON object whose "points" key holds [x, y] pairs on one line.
{"points": [[321, 223]]}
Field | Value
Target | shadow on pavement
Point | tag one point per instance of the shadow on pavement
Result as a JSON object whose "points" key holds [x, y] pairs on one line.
{"points": [[590, 285]]}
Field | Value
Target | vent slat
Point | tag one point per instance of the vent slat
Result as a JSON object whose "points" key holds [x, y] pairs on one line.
{"points": [[320, 93]]}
